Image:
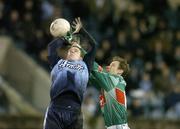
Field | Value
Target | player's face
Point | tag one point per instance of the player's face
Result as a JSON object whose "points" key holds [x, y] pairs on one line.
{"points": [[74, 53], [114, 68]]}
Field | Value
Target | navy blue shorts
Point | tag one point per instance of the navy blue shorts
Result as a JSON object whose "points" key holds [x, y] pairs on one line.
{"points": [[63, 119]]}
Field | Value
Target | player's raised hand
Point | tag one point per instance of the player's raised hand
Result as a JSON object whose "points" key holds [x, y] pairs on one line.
{"points": [[77, 25]]}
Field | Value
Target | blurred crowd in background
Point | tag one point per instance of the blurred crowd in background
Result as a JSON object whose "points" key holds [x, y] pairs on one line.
{"points": [[145, 32]]}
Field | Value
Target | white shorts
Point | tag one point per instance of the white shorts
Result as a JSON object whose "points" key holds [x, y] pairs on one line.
{"points": [[122, 126]]}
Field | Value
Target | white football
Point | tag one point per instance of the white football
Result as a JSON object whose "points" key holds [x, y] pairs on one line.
{"points": [[59, 27]]}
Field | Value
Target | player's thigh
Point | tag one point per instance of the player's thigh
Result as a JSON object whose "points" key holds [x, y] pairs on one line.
{"points": [[51, 121], [77, 121]]}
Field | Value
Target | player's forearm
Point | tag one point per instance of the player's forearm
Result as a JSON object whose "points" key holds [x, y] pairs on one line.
{"points": [[52, 47], [89, 57], [93, 82], [95, 66], [92, 42], [99, 80], [52, 51]]}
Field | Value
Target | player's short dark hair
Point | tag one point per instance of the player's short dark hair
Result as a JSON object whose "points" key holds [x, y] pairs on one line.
{"points": [[122, 65]]}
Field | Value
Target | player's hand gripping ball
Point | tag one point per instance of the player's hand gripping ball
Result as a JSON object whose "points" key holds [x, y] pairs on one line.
{"points": [[59, 27]]}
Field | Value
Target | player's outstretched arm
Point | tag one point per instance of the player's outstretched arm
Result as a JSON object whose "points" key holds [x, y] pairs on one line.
{"points": [[89, 57], [52, 51]]}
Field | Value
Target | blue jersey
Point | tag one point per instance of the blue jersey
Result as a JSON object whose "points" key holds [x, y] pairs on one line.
{"points": [[69, 76], [69, 81]]}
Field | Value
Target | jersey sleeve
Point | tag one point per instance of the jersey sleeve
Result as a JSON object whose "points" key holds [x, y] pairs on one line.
{"points": [[90, 55], [52, 51], [101, 79], [93, 80]]}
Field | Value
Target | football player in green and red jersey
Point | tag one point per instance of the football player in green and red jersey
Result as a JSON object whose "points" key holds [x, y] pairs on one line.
{"points": [[113, 96]]}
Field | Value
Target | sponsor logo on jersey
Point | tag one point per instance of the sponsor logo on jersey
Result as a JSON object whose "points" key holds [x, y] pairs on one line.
{"points": [[70, 65]]}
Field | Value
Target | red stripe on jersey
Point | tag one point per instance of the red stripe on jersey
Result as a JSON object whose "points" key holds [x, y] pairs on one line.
{"points": [[102, 100], [120, 96]]}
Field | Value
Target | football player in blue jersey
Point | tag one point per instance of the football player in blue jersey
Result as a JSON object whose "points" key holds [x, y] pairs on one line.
{"points": [[69, 80]]}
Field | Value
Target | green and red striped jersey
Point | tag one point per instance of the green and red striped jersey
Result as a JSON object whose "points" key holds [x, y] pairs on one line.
{"points": [[113, 95]]}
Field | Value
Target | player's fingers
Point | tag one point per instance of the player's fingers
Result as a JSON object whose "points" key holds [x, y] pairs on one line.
{"points": [[76, 20], [73, 26], [79, 19], [74, 23]]}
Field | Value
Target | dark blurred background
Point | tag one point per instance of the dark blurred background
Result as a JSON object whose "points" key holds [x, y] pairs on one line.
{"points": [[145, 32]]}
